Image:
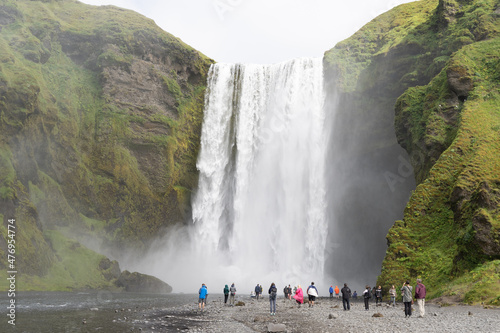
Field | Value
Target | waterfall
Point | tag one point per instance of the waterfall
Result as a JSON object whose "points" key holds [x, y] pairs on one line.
{"points": [[259, 212]]}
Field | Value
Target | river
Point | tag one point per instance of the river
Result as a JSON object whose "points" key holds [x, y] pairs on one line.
{"points": [[94, 311]]}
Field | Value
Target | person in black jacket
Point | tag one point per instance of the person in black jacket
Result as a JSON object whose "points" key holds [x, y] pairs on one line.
{"points": [[367, 295], [346, 297]]}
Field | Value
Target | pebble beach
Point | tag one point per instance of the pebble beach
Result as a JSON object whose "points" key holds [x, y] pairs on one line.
{"points": [[327, 315]]}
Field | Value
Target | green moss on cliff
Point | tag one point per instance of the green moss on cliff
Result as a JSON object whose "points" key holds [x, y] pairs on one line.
{"points": [[416, 39], [438, 62], [450, 227], [100, 118], [8, 175]]}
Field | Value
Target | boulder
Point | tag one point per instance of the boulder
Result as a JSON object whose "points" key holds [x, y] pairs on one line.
{"points": [[276, 328], [110, 269], [142, 283]]}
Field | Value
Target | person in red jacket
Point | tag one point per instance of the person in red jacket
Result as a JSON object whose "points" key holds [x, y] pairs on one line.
{"points": [[420, 296], [337, 291]]}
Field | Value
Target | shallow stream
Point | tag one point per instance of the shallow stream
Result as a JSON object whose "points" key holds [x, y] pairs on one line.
{"points": [[94, 311]]}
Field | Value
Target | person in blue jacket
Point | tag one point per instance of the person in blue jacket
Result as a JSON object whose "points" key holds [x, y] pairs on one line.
{"points": [[331, 292], [203, 292]]}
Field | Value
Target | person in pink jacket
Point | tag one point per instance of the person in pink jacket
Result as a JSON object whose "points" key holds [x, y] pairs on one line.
{"points": [[299, 296]]}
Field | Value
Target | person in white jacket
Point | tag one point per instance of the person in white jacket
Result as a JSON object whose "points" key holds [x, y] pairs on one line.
{"points": [[312, 293]]}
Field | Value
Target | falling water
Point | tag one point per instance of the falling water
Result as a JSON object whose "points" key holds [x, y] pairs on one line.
{"points": [[259, 211]]}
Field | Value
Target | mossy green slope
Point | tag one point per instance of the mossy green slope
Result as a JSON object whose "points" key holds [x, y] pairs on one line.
{"points": [[438, 62], [451, 227], [100, 118]]}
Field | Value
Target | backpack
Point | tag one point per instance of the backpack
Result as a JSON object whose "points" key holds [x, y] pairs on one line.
{"points": [[273, 292]]}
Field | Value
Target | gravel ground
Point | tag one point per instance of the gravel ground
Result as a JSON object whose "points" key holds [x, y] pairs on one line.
{"points": [[326, 316]]}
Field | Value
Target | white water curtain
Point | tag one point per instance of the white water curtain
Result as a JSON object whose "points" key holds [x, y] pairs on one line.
{"points": [[260, 207]]}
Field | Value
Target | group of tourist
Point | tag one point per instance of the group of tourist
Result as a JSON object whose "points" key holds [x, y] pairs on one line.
{"points": [[332, 290], [406, 294], [312, 293]]}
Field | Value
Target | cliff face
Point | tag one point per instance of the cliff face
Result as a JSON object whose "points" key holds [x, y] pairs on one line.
{"points": [[442, 59], [100, 118]]}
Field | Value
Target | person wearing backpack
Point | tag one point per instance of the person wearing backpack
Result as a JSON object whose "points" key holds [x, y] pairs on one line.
{"points": [[367, 295], [232, 293], [407, 298], [226, 294], [420, 296], [273, 292], [346, 297], [285, 291]]}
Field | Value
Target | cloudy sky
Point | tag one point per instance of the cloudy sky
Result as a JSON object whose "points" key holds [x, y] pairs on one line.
{"points": [[258, 31]]}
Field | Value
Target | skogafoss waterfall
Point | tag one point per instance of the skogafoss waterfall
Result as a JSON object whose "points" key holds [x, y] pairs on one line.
{"points": [[259, 212]]}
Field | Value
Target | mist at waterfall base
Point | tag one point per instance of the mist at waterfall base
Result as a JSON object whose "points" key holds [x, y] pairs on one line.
{"points": [[284, 195]]}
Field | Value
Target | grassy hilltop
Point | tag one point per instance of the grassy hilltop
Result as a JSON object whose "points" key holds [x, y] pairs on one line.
{"points": [[438, 62], [100, 118]]}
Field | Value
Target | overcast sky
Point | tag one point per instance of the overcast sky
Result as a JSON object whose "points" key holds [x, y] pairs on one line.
{"points": [[258, 31]]}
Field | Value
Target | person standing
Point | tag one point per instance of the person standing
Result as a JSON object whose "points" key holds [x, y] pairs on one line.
{"points": [[407, 298], [299, 295], [226, 294], [346, 297], [257, 291], [392, 292], [331, 292], [420, 296], [285, 292], [366, 296], [203, 292], [378, 295], [312, 293], [232, 293], [273, 292], [337, 291], [289, 292]]}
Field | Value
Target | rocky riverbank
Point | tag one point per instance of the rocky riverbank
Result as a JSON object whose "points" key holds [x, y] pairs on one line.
{"points": [[326, 316]]}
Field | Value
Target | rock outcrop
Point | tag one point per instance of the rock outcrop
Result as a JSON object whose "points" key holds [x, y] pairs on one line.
{"points": [[142, 283]]}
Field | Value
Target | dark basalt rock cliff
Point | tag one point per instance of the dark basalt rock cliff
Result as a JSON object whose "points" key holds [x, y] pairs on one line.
{"points": [[100, 118]]}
